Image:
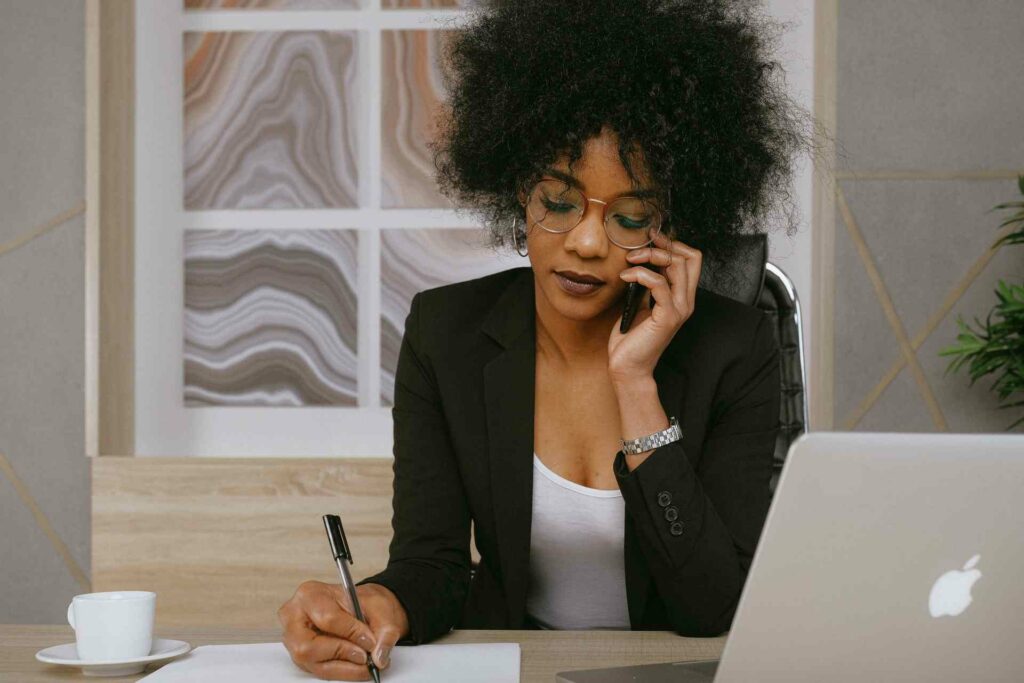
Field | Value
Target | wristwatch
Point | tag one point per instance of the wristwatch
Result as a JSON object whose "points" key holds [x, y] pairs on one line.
{"points": [[652, 441]]}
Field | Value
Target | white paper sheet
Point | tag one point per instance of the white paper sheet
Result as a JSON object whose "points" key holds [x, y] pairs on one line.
{"points": [[270, 663]]}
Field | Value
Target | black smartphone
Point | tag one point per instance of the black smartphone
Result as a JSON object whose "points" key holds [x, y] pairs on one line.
{"points": [[634, 293]]}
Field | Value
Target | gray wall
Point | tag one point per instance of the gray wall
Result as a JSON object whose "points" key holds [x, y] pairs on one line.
{"points": [[44, 474], [932, 91]]}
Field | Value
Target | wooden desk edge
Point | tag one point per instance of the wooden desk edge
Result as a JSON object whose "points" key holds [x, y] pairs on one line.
{"points": [[544, 653]]}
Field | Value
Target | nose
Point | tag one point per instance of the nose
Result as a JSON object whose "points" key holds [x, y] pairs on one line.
{"points": [[588, 238]]}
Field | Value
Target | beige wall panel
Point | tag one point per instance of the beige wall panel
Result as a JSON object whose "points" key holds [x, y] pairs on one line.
{"points": [[821, 356], [109, 117], [224, 541]]}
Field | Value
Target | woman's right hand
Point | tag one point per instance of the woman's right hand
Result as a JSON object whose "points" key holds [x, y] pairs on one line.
{"points": [[324, 638]]}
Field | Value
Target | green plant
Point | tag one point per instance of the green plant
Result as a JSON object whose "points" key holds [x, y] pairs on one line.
{"points": [[998, 346]]}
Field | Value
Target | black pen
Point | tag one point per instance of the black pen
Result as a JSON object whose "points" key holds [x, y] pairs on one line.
{"points": [[342, 556]]}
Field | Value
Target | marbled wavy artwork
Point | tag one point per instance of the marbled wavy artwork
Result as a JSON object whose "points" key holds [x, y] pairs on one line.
{"points": [[412, 92], [270, 120], [416, 259], [272, 4], [322, 4], [425, 4], [270, 318]]}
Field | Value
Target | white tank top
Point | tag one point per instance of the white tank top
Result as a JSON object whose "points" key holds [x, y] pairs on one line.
{"points": [[577, 567]]}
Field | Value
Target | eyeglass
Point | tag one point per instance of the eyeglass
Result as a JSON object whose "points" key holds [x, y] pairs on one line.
{"points": [[630, 222]]}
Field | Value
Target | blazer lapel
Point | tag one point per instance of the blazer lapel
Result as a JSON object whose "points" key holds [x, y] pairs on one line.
{"points": [[509, 386], [509, 398]]}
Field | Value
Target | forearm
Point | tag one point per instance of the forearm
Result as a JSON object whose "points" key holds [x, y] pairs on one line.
{"points": [[698, 506], [640, 413], [692, 555], [698, 564], [428, 558]]}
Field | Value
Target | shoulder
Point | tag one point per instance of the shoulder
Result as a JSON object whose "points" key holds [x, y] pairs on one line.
{"points": [[450, 316], [722, 331], [722, 317], [467, 301]]}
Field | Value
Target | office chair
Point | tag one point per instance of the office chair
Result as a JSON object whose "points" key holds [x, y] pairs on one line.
{"points": [[750, 278], [780, 301]]}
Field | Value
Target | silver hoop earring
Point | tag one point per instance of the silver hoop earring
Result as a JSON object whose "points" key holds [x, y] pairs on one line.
{"points": [[515, 237]]}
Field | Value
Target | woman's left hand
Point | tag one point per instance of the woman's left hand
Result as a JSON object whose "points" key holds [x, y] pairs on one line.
{"points": [[634, 354]]}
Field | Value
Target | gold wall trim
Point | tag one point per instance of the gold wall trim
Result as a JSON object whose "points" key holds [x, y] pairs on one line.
{"points": [[954, 294], [110, 246], [59, 219], [908, 352], [43, 522], [938, 174]]}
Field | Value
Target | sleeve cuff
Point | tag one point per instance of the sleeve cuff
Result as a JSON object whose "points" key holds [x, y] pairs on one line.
{"points": [[664, 497], [405, 591]]}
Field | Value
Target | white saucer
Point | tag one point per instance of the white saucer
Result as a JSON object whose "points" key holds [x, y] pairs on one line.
{"points": [[67, 655]]}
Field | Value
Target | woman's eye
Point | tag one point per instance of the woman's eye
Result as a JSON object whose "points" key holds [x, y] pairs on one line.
{"points": [[633, 222], [558, 207]]}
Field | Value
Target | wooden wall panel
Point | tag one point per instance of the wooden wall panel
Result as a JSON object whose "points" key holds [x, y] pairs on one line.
{"points": [[224, 541], [110, 226]]}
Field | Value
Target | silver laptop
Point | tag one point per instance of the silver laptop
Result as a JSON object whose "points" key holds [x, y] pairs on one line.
{"points": [[885, 556]]}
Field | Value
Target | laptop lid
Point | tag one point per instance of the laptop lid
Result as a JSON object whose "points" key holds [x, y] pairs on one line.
{"points": [[887, 556]]}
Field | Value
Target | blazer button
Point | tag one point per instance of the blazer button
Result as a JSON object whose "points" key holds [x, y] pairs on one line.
{"points": [[676, 529], [671, 513], [664, 498]]}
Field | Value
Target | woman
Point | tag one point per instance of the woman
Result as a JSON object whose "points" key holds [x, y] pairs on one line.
{"points": [[603, 138]]}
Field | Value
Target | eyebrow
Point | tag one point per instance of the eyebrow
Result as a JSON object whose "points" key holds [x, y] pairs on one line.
{"points": [[572, 180]]}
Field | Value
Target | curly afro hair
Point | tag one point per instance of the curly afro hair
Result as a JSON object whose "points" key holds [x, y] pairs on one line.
{"points": [[688, 83]]}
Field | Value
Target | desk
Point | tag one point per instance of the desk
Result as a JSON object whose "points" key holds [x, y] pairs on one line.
{"points": [[543, 652]]}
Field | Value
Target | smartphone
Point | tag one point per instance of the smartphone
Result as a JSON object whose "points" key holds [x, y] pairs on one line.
{"points": [[634, 293]]}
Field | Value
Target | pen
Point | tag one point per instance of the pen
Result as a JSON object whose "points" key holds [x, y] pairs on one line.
{"points": [[342, 556]]}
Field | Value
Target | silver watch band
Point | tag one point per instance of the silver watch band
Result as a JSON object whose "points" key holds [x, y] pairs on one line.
{"points": [[652, 441]]}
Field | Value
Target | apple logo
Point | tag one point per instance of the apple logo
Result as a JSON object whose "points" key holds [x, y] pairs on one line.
{"points": [[951, 593]]}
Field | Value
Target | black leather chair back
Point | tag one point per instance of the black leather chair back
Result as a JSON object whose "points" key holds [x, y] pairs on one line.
{"points": [[751, 279]]}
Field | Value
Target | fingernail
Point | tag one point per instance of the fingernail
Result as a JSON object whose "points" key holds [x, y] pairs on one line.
{"points": [[365, 641], [361, 656], [383, 655]]}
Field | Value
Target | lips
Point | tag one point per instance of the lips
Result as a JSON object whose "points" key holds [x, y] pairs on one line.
{"points": [[580, 277]]}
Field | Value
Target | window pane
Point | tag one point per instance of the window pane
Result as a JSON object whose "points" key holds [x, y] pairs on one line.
{"points": [[270, 318], [412, 95], [272, 4], [270, 120], [425, 4]]}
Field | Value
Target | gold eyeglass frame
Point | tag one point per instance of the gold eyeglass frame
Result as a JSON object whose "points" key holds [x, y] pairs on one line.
{"points": [[604, 213]]}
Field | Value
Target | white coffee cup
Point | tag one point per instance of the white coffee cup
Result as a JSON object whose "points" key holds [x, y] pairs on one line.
{"points": [[113, 626]]}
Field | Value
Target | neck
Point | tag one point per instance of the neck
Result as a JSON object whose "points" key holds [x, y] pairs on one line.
{"points": [[572, 342]]}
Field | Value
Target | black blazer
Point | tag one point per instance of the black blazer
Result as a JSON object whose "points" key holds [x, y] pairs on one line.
{"points": [[463, 448]]}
